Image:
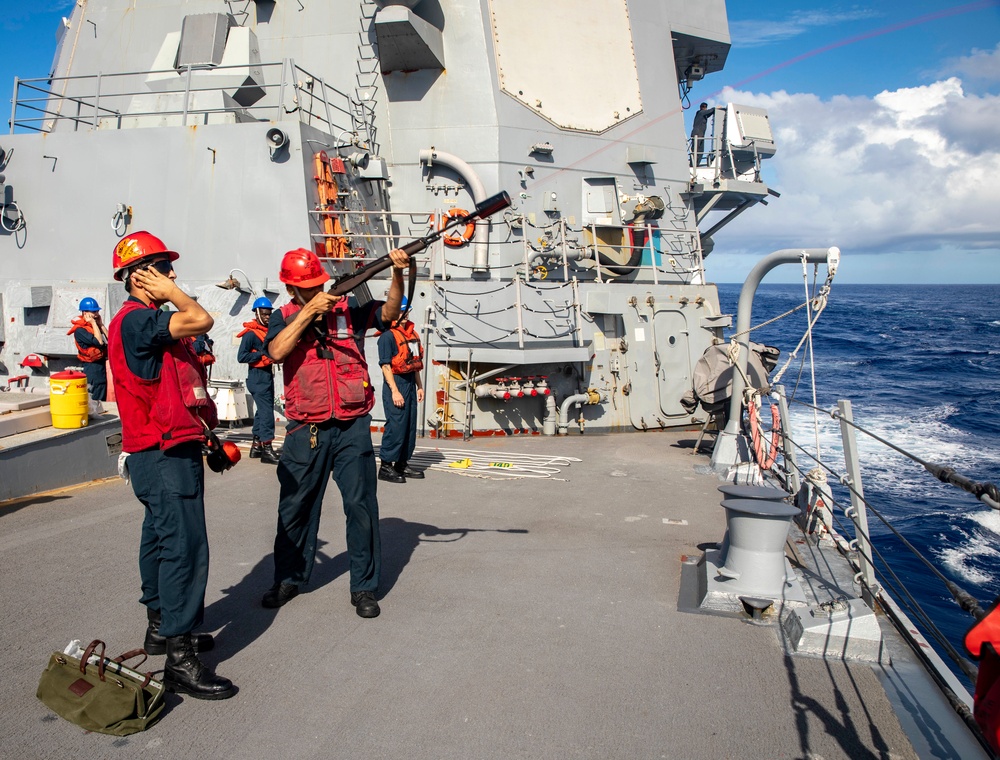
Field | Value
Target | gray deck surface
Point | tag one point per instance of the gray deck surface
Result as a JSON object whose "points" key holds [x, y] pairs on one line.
{"points": [[520, 619]]}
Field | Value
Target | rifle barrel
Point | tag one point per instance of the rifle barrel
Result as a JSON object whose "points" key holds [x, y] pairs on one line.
{"points": [[486, 208]]}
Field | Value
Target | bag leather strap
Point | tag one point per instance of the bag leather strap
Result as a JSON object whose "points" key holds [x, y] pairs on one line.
{"points": [[120, 659], [100, 658], [130, 654]]}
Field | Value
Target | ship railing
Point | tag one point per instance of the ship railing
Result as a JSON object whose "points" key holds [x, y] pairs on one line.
{"points": [[102, 100], [662, 264], [877, 579], [718, 161]]}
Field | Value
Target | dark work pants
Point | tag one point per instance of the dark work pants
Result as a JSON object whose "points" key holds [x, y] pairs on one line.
{"points": [[343, 448], [399, 438], [97, 380], [173, 552], [260, 383]]}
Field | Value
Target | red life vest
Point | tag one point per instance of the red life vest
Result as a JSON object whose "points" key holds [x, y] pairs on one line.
{"points": [[982, 642], [92, 354], [169, 410], [986, 708], [409, 353], [326, 378], [261, 332]]}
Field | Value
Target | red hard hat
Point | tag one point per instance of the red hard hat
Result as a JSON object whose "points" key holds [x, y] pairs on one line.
{"points": [[135, 247], [302, 268]]}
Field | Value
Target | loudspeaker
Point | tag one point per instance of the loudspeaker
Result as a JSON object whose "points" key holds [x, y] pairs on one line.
{"points": [[276, 140], [359, 159]]}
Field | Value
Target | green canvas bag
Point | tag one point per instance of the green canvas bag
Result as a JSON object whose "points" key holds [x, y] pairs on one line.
{"points": [[106, 697]]}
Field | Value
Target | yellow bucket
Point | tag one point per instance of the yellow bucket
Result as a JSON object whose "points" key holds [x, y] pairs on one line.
{"points": [[68, 399]]}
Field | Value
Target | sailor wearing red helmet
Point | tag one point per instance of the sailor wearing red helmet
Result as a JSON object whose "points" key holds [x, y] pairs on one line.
{"points": [[328, 394], [165, 410]]}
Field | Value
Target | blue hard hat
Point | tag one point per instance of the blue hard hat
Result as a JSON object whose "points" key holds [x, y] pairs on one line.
{"points": [[89, 304], [404, 304], [262, 303]]}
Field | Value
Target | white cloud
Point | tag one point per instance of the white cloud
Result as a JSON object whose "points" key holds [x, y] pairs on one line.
{"points": [[758, 32], [909, 170], [978, 66]]}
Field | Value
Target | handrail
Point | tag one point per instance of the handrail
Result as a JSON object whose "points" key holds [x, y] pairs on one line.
{"points": [[988, 493], [966, 601], [562, 249], [953, 689], [333, 103]]}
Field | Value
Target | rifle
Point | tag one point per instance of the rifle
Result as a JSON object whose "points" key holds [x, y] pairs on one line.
{"points": [[484, 209]]}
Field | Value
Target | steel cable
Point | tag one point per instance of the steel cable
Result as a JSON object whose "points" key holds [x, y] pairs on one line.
{"points": [[898, 587]]}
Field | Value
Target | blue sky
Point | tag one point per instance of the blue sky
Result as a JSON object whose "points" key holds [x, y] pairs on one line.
{"points": [[885, 116]]}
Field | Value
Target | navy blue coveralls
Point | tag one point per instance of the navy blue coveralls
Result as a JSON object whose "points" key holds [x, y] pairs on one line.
{"points": [[173, 551], [399, 438], [96, 372], [260, 383], [343, 448]]}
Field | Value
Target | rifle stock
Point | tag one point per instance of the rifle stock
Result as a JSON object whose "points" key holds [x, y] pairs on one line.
{"points": [[483, 210]]}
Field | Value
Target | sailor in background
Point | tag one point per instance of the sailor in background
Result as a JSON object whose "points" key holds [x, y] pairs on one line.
{"points": [[92, 347], [698, 128], [260, 380], [328, 396], [204, 349], [165, 410], [400, 356]]}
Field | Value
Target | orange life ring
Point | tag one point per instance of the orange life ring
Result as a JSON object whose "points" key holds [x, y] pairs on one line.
{"points": [[757, 435], [457, 238]]}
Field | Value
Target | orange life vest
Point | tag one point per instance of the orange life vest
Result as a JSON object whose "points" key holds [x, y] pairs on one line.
{"points": [[409, 353], [92, 354], [261, 332]]}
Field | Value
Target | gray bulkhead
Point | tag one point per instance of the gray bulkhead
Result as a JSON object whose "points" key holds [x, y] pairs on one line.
{"points": [[571, 107]]}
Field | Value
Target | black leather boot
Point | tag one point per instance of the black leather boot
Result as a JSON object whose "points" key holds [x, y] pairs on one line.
{"points": [[388, 473], [408, 472], [157, 644], [186, 674], [267, 454], [256, 448]]}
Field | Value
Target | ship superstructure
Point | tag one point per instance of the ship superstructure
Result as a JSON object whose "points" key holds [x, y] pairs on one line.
{"points": [[237, 131]]}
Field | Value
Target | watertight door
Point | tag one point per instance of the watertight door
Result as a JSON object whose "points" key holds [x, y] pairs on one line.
{"points": [[673, 354]]}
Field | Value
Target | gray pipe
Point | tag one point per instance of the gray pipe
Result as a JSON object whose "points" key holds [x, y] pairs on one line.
{"points": [[432, 156], [590, 397], [726, 452], [574, 255], [490, 390], [551, 415]]}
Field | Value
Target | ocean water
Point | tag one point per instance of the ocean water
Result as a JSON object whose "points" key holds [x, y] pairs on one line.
{"points": [[921, 366]]}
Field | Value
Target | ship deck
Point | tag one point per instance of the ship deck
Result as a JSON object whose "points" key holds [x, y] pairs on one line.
{"points": [[521, 618]]}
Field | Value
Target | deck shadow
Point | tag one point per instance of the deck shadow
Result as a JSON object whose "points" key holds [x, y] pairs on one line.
{"points": [[400, 538], [14, 505], [238, 616], [240, 620]]}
